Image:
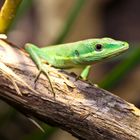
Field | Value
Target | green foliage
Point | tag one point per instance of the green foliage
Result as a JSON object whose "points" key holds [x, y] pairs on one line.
{"points": [[39, 135], [23, 8], [70, 21], [122, 69]]}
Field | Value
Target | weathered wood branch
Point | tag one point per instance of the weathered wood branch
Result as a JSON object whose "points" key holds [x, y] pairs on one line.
{"points": [[87, 112]]}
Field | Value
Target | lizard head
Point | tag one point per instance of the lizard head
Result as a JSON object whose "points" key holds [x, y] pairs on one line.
{"points": [[106, 47]]}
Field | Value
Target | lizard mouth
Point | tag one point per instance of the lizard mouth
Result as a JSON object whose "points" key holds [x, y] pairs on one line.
{"points": [[115, 53], [118, 52]]}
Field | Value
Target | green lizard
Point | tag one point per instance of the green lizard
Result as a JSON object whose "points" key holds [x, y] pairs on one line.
{"points": [[78, 54]]}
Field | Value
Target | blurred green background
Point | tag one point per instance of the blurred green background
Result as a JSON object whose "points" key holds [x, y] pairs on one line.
{"points": [[45, 22]]}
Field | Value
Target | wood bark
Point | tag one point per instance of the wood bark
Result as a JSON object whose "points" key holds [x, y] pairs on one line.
{"points": [[86, 111]]}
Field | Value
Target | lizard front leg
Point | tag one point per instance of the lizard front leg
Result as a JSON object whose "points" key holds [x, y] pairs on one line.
{"points": [[41, 66], [84, 74]]}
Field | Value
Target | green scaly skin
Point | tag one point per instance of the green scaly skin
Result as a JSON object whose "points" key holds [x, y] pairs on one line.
{"points": [[77, 54]]}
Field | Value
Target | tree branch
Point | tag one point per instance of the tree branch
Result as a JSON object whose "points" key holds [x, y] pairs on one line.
{"points": [[87, 112]]}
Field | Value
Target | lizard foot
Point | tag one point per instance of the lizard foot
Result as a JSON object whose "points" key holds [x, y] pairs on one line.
{"points": [[44, 70]]}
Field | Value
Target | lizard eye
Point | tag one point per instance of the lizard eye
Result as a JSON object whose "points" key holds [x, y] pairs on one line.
{"points": [[98, 47]]}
